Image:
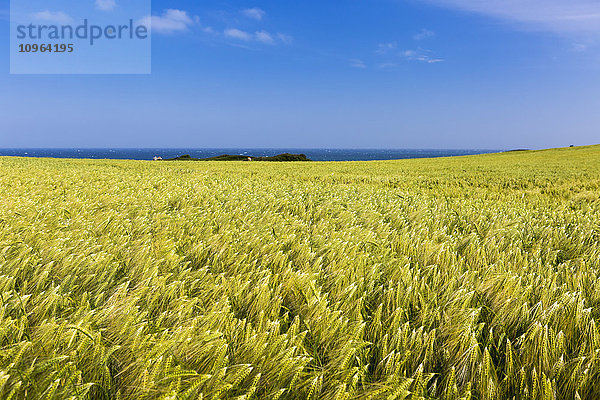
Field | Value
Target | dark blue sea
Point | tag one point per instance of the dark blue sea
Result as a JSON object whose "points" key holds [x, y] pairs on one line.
{"points": [[313, 154]]}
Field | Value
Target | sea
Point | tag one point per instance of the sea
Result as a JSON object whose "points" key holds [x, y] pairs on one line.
{"points": [[313, 154]]}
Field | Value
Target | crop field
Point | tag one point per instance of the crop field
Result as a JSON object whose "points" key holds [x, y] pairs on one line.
{"points": [[458, 278]]}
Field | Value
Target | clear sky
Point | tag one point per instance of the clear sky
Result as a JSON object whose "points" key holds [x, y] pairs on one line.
{"points": [[494, 74]]}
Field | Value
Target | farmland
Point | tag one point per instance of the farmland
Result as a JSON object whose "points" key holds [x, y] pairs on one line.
{"points": [[468, 277]]}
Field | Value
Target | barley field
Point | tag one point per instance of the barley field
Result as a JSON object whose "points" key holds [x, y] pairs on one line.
{"points": [[458, 278]]}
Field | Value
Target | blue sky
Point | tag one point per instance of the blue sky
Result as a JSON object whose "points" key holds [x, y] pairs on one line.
{"points": [[494, 74]]}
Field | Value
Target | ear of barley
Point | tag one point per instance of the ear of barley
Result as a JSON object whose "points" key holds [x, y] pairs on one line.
{"points": [[471, 277]]}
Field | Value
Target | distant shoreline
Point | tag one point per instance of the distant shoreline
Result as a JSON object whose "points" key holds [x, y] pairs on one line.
{"points": [[285, 157], [312, 154]]}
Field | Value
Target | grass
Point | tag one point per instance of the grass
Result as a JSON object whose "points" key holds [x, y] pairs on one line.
{"points": [[460, 278]]}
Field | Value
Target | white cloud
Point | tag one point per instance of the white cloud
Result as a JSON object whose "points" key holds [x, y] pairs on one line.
{"points": [[285, 39], [424, 34], [254, 13], [237, 34], [356, 63], [264, 37], [387, 65], [106, 5], [170, 21], [561, 16], [384, 48], [420, 55], [258, 36], [55, 17]]}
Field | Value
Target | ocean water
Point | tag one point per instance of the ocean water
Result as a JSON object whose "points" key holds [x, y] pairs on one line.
{"points": [[313, 154]]}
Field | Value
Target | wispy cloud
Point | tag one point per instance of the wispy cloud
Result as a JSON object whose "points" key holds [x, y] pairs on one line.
{"points": [[424, 34], [171, 21], [384, 48], [238, 34], [420, 55], [391, 57], [56, 17], [285, 39], [388, 65], [106, 5], [262, 36], [580, 47], [254, 13], [356, 63], [560, 16]]}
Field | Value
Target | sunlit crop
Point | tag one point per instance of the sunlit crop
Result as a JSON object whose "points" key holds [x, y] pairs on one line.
{"points": [[471, 277]]}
